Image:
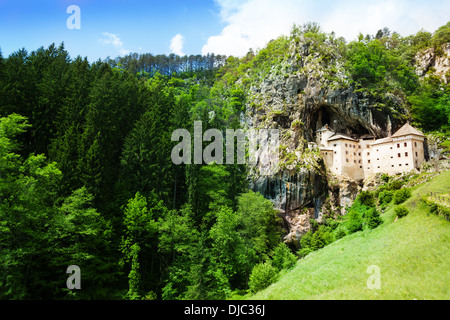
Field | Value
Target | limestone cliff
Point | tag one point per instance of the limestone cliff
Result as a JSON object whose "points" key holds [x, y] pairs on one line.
{"points": [[307, 89]]}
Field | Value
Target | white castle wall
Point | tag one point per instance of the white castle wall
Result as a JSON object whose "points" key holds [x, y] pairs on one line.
{"points": [[360, 159]]}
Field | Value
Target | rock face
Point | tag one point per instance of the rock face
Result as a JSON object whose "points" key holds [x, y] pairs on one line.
{"points": [[298, 196], [437, 61], [299, 223], [298, 98], [290, 190]]}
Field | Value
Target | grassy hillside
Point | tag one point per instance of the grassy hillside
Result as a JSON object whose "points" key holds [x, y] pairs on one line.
{"points": [[412, 254]]}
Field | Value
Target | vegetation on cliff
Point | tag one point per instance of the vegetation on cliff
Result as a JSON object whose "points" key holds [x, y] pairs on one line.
{"points": [[379, 65]]}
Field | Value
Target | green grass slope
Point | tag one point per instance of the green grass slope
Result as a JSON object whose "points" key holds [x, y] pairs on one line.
{"points": [[411, 253]]}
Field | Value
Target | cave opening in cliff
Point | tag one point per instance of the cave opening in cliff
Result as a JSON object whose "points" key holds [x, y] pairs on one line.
{"points": [[322, 118], [337, 121]]}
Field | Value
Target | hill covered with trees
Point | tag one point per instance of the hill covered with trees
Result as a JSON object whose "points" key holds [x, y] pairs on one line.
{"points": [[86, 176]]}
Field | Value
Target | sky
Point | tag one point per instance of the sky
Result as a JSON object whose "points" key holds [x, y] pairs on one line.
{"points": [[98, 29]]}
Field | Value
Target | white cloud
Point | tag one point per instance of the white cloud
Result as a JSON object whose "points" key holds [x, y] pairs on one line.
{"points": [[176, 45], [252, 23], [111, 38]]}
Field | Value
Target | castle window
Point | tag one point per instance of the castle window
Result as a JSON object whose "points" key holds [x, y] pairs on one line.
{"points": [[346, 145], [359, 147], [416, 154], [354, 146], [406, 154], [346, 152], [354, 153], [354, 161], [399, 165], [368, 153], [406, 144], [399, 155], [359, 154], [378, 167], [368, 161], [359, 161], [398, 145], [415, 144], [360, 167], [407, 164], [335, 145], [347, 160], [392, 166]]}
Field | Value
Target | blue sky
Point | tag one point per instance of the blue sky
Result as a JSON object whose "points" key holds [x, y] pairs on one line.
{"points": [[117, 27], [141, 26]]}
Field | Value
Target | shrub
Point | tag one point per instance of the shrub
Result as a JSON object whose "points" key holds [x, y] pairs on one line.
{"points": [[395, 185], [314, 225], [401, 195], [434, 208], [317, 241], [385, 197], [373, 218], [283, 258], [385, 177], [401, 211], [437, 209], [354, 222], [366, 198], [340, 232], [304, 252], [327, 235], [322, 237], [305, 241], [382, 188], [333, 224], [262, 276]]}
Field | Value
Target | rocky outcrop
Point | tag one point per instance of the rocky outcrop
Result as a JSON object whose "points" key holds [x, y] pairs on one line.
{"points": [[298, 97], [434, 61], [298, 224], [293, 190]]}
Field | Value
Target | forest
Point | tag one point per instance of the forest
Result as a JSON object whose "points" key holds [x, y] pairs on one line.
{"points": [[86, 176]]}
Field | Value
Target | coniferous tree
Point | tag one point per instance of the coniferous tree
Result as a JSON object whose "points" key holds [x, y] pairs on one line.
{"points": [[66, 148]]}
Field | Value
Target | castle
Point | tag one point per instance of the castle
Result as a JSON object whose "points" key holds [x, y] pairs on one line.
{"points": [[358, 159]]}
